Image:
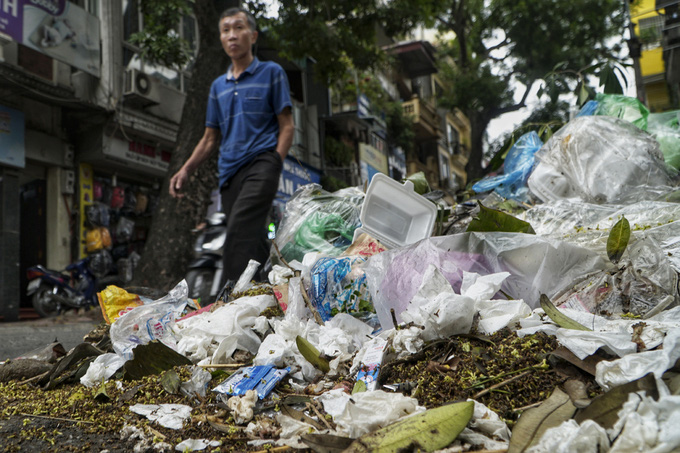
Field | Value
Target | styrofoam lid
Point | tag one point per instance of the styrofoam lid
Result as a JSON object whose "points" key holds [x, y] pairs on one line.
{"points": [[395, 214]]}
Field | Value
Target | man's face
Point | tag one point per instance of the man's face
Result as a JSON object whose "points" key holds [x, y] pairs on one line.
{"points": [[236, 36]]}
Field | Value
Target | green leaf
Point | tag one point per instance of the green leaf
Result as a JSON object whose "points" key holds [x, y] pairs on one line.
{"points": [[312, 354], [618, 240], [582, 94], [426, 431], [326, 443], [605, 408], [493, 220], [151, 359], [558, 317], [534, 422], [170, 381]]}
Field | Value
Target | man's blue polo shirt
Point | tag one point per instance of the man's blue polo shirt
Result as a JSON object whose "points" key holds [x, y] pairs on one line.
{"points": [[245, 110]]}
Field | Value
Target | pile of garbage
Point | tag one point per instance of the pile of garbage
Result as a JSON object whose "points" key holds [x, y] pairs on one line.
{"points": [[555, 329]]}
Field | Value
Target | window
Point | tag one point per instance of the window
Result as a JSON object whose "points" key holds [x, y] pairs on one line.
{"points": [[453, 138], [651, 29], [133, 22], [91, 6]]}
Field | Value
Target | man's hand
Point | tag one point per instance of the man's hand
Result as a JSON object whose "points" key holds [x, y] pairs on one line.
{"points": [[177, 182]]}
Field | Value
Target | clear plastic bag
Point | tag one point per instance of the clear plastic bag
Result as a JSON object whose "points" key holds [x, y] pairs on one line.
{"points": [[600, 160], [666, 129], [318, 221], [148, 322], [516, 169]]}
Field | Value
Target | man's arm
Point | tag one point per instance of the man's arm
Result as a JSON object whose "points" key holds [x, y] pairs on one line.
{"points": [[201, 152], [286, 132]]}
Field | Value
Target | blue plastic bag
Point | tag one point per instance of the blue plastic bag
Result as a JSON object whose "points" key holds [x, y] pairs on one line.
{"points": [[517, 167]]}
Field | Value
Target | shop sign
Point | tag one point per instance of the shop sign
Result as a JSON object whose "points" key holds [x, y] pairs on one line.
{"points": [[371, 156], [12, 144], [137, 155], [294, 175], [86, 186], [57, 28]]}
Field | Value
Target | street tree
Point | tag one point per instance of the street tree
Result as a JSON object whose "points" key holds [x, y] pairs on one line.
{"points": [[503, 48]]}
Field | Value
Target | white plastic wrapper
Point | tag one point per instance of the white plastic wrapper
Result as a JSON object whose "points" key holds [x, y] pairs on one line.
{"points": [[220, 333], [647, 425], [536, 265], [167, 415], [244, 281], [196, 444], [101, 369], [279, 274], [486, 428], [569, 437], [198, 384], [356, 414], [634, 366], [591, 152]]}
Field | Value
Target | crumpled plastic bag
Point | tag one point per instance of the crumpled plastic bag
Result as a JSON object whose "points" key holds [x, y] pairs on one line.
{"points": [[196, 444], [536, 265], [486, 428], [318, 221], [356, 414], [148, 322], [600, 159], [516, 169], [198, 384], [647, 425]]}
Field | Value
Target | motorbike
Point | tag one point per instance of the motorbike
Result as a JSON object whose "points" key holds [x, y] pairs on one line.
{"points": [[76, 286], [205, 271]]}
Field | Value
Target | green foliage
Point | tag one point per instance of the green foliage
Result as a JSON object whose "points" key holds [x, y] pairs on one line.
{"points": [[332, 184], [159, 42], [400, 126], [493, 220], [337, 152]]}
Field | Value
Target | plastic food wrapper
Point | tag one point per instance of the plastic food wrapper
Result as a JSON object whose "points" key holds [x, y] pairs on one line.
{"points": [[219, 333], [600, 159], [167, 415], [316, 220], [364, 246], [356, 414], [371, 362], [516, 169], [338, 285], [536, 265], [635, 366], [101, 369], [260, 378], [153, 321], [115, 302]]}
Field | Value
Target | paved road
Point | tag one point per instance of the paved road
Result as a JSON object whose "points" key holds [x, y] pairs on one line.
{"points": [[17, 338]]}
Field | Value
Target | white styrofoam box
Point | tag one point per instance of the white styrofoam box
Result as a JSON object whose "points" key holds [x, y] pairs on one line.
{"points": [[394, 213]]}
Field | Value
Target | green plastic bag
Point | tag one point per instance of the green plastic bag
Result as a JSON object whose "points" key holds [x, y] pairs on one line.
{"points": [[623, 107]]}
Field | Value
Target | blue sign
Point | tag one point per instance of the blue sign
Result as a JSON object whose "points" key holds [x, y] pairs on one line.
{"points": [[294, 175], [12, 148]]}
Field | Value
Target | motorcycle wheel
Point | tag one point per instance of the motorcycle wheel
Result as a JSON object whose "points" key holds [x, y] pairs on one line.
{"points": [[45, 303], [200, 282]]}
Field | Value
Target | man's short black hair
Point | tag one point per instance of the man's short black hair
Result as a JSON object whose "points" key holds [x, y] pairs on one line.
{"points": [[237, 9]]}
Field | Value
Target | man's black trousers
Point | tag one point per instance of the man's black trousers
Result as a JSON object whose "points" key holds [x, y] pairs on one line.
{"points": [[246, 200]]}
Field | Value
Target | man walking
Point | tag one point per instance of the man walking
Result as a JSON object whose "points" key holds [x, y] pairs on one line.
{"points": [[249, 116]]}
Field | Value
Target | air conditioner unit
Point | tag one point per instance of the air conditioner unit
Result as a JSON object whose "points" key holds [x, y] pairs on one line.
{"points": [[140, 89]]}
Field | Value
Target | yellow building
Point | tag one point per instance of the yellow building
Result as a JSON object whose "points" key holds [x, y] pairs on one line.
{"points": [[655, 35]]}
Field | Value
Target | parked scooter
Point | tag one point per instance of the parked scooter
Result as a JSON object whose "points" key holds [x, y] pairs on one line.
{"points": [[205, 272], [53, 291]]}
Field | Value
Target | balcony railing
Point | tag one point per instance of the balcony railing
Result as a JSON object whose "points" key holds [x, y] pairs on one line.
{"points": [[425, 116]]}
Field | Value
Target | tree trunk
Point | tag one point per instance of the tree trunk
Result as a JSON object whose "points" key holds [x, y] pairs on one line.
{"points": [[169, 246], [478, 124]]}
